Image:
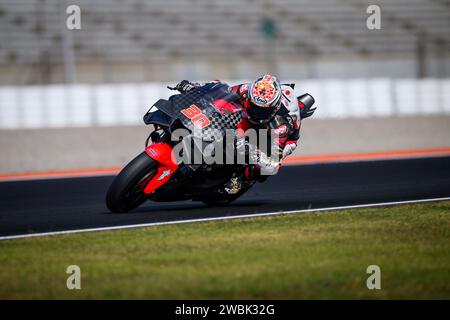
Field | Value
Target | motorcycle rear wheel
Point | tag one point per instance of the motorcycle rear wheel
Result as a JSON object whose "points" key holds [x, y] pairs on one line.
{"points": [[126, 191]]}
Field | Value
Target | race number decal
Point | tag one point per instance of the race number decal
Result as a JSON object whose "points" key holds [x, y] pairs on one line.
{"points": [[196, 116]]}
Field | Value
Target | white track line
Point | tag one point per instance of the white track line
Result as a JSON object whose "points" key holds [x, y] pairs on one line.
{"points": [[153, 224]]}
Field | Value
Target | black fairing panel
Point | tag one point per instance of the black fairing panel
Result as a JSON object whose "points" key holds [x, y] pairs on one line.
{"points": [[163, 116], [159, 118], [203, 98]]}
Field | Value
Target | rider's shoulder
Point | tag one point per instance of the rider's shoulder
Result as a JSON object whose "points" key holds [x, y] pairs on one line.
{"points": [[288, 99], [288, 90]]}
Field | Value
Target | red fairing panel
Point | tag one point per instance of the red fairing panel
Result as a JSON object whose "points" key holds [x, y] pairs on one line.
{"points": [[161, 152], [223, 106]]}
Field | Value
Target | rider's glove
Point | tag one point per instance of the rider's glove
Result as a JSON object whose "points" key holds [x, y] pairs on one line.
{"points": [[288, 149], [184, 86], [267, 165]]}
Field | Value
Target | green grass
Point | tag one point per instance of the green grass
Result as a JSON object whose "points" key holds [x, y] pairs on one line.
{"points": [[323, 255]]}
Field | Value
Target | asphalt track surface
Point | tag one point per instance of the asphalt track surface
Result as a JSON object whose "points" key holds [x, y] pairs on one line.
{"points": [[78, 203]]}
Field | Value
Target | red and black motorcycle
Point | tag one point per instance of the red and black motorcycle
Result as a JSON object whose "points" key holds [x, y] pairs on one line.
{"points": [[204, 114]]}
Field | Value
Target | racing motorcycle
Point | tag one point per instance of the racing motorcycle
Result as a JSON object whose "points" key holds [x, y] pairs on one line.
{"points": [[204, 114]]}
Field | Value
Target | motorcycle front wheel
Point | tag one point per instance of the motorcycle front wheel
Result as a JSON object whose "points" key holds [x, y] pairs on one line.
{"points": [[126, 191]]}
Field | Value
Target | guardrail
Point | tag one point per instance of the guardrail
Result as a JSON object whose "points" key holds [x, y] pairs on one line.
{"points": [[125, 104]]}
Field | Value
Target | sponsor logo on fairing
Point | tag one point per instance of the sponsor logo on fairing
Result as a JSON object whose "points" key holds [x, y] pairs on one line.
{"points": [[164, 174], [232, 148], [153, 152]]}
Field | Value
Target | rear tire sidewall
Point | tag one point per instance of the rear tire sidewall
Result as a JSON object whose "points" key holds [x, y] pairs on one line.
{"points": [[117, 197]]}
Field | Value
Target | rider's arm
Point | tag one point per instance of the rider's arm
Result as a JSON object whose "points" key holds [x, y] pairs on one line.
{"points": [[283, 144], [287, 132], [288, 143], [286, 125]]}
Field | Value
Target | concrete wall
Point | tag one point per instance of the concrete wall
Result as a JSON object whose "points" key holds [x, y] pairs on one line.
{"points": [[81, 105]]}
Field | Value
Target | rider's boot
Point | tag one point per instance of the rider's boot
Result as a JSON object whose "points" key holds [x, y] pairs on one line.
{"points": [[234, 185]]}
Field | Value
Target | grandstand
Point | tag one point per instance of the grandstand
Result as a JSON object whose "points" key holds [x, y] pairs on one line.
{"points": [[160, 40]]}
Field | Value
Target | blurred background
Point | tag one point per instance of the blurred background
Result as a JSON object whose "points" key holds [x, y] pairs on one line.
{"points": [[75, 98]]}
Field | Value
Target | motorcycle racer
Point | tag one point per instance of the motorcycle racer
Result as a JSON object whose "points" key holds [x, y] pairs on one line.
{"points": [[217, 120], [268, 104]]}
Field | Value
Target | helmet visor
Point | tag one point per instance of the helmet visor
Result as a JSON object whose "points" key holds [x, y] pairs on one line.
{"points": [[260, 114]]}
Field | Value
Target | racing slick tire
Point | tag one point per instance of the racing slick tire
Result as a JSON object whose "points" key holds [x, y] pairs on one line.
{"points": [[126, 191]]}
